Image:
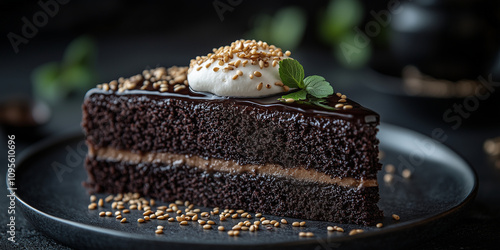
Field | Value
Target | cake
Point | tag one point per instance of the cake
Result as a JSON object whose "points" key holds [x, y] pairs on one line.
{"points": [[176, 134]]}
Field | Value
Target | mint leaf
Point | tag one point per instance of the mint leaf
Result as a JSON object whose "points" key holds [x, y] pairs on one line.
{"points": [[299, 95], [317, 86], [291, 73]]}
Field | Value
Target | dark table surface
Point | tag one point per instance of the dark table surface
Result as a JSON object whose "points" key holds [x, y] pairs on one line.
{"points": [[477, 229]]}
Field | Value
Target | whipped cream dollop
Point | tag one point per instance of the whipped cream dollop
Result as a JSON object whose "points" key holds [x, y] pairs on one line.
{"points": [[246, 68]]}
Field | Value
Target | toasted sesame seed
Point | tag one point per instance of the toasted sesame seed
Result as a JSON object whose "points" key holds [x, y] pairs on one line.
{"points": [[237, 227], [348, 107], [257, 73], [388, 178], [406, 173], [342, 100], [220, 228], [296, 224], [279, 84], [339, 105], [309, 234], [100, 203], [244, 228], [118, 217], [250, 76], [277, 224], [93, 198], [302, 224], [261, 64], [356, 231], [171, 219], [265, 222], [257, 223], [283, 221], [102, 214], [92, 206], [379, 225], [204, 214], [147, 212], [288, 53], [343, 96], [114, 204], [160, 227], [207, 226], [389, 168], [302, 234], [133, 207], [178, 212], [235, 77], [330, 228], [123, 220], [252, 228], [286, 88], [211, 222], [146, 217], [169, 210], [158, 231], [153, 216], [289, 100], [241, 223], [183, 223], [140, 220], [222, 218], [109, 214], [118, 213], [202, 222], [396, 217], [258, 215], [234, 216], [216, 69]]}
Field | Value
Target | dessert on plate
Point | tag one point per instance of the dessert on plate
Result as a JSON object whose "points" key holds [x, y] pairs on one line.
{"points": [[240, 127]]}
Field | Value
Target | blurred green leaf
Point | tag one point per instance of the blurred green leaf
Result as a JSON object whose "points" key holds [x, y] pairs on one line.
{"points": [[45, 80], [55, 81], [81, 51], [285, 29], [340, 17], [288, 27], [77, 77]]}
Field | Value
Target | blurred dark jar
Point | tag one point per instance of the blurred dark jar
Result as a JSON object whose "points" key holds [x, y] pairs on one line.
{"points": [[447, 39]]}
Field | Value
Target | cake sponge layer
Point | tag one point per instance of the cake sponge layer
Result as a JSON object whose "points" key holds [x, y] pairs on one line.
{"points": [[232, 130], [249, 191]]}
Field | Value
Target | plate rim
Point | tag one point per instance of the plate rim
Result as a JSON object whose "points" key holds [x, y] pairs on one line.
{"points": [[71, 135]]}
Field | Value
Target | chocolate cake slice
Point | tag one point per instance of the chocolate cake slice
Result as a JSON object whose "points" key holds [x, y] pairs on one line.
{"points": [[152, 134]]}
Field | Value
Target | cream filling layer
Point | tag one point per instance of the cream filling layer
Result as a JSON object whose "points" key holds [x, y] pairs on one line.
{"points": [[210, 164]]}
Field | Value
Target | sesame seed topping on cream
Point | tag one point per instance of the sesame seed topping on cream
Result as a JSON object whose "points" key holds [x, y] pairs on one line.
{"points": [[246, 68]]}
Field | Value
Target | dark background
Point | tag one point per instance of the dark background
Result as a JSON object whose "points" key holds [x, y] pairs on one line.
{"points": [[133, 35]]}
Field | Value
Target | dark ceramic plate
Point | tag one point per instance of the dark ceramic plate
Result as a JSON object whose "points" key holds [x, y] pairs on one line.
{"points": [[50, 193]]}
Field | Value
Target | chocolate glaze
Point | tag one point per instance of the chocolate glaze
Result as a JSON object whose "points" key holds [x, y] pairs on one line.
{"points": [[358, 113]]}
